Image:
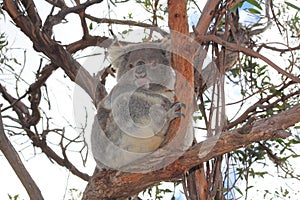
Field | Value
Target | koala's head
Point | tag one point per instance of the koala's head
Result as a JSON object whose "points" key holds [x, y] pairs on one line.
{"points": [[143, 64]]}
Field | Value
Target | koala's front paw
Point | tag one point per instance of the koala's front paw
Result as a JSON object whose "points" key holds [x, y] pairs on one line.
{"points": [[172, 113]]}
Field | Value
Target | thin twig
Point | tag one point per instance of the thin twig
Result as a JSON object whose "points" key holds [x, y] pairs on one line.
{"points": [[247, 51]]}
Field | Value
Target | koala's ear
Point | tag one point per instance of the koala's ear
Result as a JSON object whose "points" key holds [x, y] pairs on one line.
{"points": [[117, 55], [165, 46]]}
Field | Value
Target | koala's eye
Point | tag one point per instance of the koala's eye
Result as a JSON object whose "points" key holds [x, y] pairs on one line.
{"points": [[131, 66], [140, 63]]}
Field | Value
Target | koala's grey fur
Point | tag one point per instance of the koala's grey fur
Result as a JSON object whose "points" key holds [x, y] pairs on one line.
{"points": [[133, 118]]}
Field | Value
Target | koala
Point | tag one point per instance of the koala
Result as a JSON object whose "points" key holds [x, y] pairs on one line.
{"points": [[133, 119]]}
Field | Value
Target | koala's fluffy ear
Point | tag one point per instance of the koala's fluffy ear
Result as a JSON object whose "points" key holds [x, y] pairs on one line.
{"points": [[117, 55], [165, 46]]}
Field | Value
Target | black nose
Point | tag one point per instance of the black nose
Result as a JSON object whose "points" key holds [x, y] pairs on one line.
{"points": [[140, 63], [140, 71]]}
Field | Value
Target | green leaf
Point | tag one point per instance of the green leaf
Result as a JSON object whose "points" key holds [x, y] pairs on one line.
{"points": [[125, 32], [253, 11], [147, 3], [254, 3], [272, 90], [238, 190], [297, 127], [292, 5], [249, 187], [16, 197]]}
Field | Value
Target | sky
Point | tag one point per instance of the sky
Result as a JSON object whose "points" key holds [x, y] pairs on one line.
{"points": [[53, 180]]}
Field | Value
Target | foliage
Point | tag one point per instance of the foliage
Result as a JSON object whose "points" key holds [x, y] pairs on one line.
{"points": [[15, 197]]}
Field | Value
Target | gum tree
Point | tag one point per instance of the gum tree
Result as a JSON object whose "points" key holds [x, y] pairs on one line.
{"points": [[260, 94]]}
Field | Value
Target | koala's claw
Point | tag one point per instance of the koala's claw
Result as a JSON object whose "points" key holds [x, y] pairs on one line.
{"points": [[178, 114], [178, 106], [172, 113]]}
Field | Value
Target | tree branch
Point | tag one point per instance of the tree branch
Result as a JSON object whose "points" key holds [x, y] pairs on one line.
{"points": [[259, 104], [58, 55], [114, 184], [206, 16], [88, 41], [128, 23], [14, 160], [247, 51], [56, 19], [40, 141], [181, 61]]}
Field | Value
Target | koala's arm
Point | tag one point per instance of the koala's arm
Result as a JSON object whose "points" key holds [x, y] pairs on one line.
{"points": [[113, 148]]}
